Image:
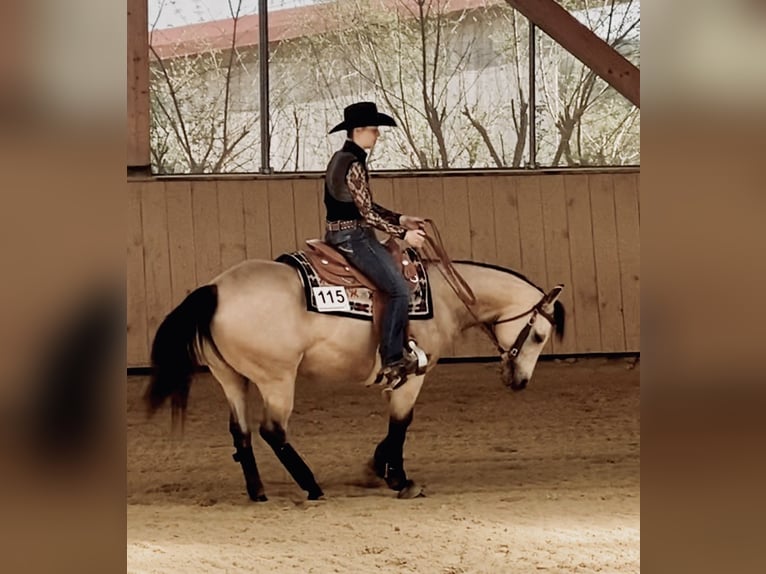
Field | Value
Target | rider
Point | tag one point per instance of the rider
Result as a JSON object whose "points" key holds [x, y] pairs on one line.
{"points": [[351, 217]]}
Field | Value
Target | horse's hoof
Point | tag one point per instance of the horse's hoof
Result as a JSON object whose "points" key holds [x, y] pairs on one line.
{"points": [[410, 490], [259, 498], [316, 496]]}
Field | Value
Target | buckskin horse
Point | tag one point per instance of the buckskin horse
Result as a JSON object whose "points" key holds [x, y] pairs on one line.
{"points": [[251, 324]]}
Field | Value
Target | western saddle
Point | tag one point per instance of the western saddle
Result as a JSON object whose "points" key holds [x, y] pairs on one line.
{"points": [[332, 266]]}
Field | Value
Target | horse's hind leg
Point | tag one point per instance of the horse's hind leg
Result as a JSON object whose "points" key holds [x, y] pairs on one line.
{"points": [[277, 407], [388, 461], [235, 388]]}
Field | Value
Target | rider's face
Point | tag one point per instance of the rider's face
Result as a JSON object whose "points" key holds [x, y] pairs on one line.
{"points": [[367, 136]]}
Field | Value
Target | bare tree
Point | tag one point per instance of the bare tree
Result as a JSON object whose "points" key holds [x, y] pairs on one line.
{"points": [[194, 128], [415, 60], [572, 92], [511, 39], [454, 80]]}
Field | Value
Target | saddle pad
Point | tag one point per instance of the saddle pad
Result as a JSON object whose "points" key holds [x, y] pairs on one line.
{"points": [[360, 298]]}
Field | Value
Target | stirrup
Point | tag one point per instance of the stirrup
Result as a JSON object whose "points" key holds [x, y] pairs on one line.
{"points": [[420, 356], [393, 376], [413, 361]]}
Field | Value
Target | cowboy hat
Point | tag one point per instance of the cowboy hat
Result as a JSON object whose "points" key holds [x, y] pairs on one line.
{"points": [[363, 114]]}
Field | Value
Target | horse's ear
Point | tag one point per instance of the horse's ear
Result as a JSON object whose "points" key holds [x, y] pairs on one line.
{"points": [[553, 295], [552, 304]]}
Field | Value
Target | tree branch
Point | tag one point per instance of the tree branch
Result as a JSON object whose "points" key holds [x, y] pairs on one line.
{"points": [[484, 136], [174, 98], [232, 50]]}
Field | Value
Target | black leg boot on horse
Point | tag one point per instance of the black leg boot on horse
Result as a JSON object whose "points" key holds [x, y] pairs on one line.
{"points": [[388, 460], [245, 457], [275, 436]]}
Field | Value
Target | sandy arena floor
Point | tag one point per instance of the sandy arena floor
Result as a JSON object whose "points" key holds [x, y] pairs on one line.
{"points": [[546, 480]]}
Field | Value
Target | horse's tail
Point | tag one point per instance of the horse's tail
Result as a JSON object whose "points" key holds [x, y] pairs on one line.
{"points": [[174, 357]]}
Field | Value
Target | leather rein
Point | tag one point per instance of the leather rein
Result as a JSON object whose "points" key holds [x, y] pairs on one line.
{"points": [[467, 297]]}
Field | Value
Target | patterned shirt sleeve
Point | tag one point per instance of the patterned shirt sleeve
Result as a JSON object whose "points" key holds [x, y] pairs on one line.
{"points": [[387, 214], [356, 181]]}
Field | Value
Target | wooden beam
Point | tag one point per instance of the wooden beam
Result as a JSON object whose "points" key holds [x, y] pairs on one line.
{"points": [[582, 43], [138, 84]]}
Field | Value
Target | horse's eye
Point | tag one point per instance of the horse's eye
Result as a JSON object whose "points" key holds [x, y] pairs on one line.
{"points": [[538, 338]]}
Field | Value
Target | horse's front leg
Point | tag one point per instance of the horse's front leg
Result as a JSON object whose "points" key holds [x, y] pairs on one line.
{"points": [[388, 461]]}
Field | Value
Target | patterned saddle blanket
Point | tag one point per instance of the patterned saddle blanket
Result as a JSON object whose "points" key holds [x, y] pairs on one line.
{"points": [[333, 286]]}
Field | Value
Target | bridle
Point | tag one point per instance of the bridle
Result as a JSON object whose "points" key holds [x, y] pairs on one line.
{"points": [[466, 295], [524, 333]]}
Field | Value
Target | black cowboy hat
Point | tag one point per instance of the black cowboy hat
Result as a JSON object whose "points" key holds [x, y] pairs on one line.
{"points": [[363, 114]]}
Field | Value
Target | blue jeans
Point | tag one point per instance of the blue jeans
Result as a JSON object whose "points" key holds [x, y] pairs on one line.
{"points": [[366, 253]]}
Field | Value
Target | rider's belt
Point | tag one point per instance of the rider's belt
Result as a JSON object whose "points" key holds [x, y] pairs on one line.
{"points": [[345, 225]]}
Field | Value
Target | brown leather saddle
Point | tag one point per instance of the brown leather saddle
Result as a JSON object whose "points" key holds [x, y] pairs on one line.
{"points": [[333, 267]]}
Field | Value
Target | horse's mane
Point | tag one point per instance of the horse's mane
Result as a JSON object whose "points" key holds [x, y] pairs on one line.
{"points": [[559, 313], [503, 269]]}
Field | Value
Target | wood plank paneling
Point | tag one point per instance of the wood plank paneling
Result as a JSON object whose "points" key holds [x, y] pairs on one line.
{"points": [[431, 206], [457, 235], [321, 209], [383, 191], [457, 193], [629, 249], [431, 202], [138, 153], [159, 296], [183, 234], [506, 210], [207, 240], [607, 263], [183, 273], [532, 233], [257, 222], [585, 293], [557, 259], [306, 211], [231, 216], [137, 334], [281, 216], [482, 220], [406, 195]]}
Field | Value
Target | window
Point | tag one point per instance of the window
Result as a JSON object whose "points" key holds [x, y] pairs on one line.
{"points": [[204, 86], [455, 76], [454, 80], [580, 119]]}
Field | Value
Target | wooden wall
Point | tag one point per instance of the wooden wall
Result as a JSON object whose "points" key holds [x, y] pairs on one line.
{"points": [[138, 154], [578, 229]]}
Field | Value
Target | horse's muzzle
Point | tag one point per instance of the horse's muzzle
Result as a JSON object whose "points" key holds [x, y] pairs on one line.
{"points": [[508, 375], [520, 386]]}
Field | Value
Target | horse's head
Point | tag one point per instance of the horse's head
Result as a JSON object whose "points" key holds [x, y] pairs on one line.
{"points": [[523, 337]]}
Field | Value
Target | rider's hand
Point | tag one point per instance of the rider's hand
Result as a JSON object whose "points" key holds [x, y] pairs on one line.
{"points": [[415, 237], [411, 222]]}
